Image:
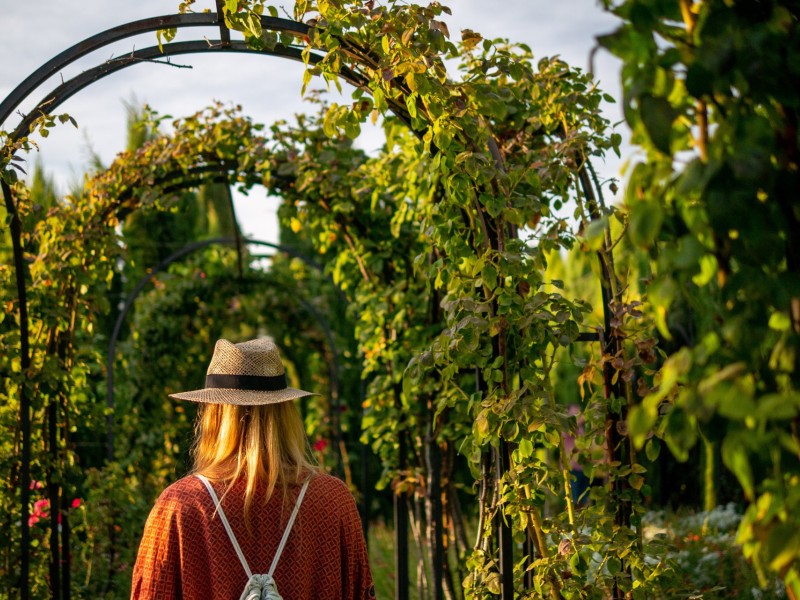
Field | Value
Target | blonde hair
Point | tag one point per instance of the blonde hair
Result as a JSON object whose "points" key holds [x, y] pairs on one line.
{"points": [[266, 444]]}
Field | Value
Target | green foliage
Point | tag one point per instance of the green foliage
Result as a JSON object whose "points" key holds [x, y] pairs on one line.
{"points": [[453, 297], [711, 93], [445, 246]]}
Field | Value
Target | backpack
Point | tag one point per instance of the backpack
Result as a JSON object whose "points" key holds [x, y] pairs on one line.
{"points": [[259, 586]]}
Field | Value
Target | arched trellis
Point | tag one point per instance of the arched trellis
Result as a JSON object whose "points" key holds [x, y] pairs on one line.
{"points": [[334, 368], [55, 99], [178, 255], [71, 87]]}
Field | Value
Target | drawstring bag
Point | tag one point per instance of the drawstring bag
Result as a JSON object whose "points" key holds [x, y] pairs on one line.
{"points": [[259, 586]]}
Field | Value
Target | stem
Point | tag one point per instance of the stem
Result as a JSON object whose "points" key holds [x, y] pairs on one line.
{"points": [[484, 486], [416, 528], [701, 109], [702, 124], [348, 476], [535, 525], [710, 492], [562, 451]]}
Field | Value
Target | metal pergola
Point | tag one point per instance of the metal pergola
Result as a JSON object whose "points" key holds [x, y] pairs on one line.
{"points": [[58, 95]]}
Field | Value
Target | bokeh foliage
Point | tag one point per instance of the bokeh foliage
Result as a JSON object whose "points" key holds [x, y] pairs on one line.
{"points": [[441, 244]]}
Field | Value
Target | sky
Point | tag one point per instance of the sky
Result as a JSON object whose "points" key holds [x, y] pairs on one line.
{"points": [[268, 88]]}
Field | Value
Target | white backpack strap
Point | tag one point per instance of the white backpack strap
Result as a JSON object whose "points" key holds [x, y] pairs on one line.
{"points": [[227, 525], [288, 527]]}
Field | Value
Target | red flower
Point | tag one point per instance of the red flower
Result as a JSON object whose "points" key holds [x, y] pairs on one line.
{"points": [[39, 511], [76, 503], [320, 445]]}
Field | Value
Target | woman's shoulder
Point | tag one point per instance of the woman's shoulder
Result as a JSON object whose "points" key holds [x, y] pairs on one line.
{"points": [[324, 482], [188, 485], [331, 489], [186, 495]]}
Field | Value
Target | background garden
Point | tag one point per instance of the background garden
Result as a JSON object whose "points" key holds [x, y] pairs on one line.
{"points": [[555, 394]]}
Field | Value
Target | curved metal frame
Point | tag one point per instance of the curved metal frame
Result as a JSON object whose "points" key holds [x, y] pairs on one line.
{"points": [[69, 88], [139, 287], [57, 97], [122, 32]]}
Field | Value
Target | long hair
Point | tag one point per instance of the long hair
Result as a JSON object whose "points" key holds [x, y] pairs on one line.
{"points": [[266, 444]]}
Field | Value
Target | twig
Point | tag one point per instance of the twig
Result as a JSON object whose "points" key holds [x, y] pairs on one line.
{"points": [[167, 62]]}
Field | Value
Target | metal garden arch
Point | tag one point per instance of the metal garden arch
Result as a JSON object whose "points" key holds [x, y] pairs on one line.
{"points": [[178, 255], [321, 322], [52, 100], [224, 44]]}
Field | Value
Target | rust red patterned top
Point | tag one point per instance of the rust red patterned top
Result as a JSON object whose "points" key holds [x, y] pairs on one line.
{"points": [[185, 553]]}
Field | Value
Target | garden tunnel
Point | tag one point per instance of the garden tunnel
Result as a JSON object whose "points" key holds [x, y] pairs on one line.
{"points": [[402, 107], [335, 396], [321, 321]]}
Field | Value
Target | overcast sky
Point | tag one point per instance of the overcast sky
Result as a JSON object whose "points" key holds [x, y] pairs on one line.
{"points": [[267, 88]]}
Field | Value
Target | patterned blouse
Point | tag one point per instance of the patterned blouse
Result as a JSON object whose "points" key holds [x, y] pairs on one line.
{"points": [[185, 553]]}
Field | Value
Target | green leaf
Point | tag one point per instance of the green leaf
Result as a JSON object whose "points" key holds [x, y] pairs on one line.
{"points": [[307, 75], [489, 276], [411, 104], [778, 406], [652, 449], [680, 433], [482, 424], [493, 583], [614, 565], [595, 233], [782, 546], [645, 223], [657, 116], [640, 423], [636, 481], [780, 321], [734, 456], [525, 448]]}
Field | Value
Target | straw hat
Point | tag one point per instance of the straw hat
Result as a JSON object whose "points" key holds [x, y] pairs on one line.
{"points": [[248, 373]]}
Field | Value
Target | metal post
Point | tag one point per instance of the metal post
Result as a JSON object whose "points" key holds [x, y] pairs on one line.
{"points": [[55, 505], [365, 486], [530, 555], [401, 530], [15, 226], [434, 463], [506, 539]]}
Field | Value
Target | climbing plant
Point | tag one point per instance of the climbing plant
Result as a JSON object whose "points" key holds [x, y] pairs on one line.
{"points": [[505, 153], [440, 243], [711, 96]]}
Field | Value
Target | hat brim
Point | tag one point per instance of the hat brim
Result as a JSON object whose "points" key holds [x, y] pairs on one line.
{"points": [[243, 397]]}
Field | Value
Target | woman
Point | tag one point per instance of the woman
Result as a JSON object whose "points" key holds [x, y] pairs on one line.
{"points": [[255, 514]]}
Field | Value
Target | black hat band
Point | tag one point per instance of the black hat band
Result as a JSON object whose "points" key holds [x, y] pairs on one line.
{"points": [[257, 383]]}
